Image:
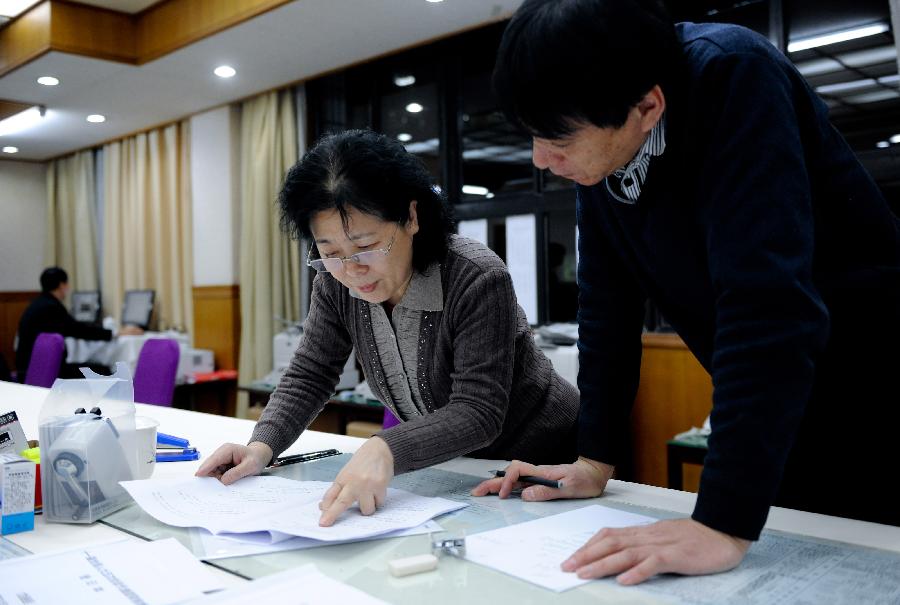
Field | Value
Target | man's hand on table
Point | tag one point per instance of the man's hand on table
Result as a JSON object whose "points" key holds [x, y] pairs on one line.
{"points": [[636, 554], [129, 330], [633, 554], [585, 478]]}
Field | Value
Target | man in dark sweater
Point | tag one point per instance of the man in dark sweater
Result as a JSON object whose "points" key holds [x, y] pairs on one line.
{"points": [[46, 313], [710, 181]]}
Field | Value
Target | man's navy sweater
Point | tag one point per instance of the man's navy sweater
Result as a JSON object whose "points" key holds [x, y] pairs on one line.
{"points": [[754, 228]]}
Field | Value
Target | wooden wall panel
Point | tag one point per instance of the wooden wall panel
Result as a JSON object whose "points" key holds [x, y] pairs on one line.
{"points": [[11, 108], [92, 31], [170, 25], [675, 394], [217, 323], [12, 305], [69, 27], [25, 38]]}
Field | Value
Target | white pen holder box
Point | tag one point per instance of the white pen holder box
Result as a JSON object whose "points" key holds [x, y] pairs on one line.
{"points": [[88, 444]]}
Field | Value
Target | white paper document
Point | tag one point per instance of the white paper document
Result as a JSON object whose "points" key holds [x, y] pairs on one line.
{"points": [[279, 506], [534, 550], [128, 572], [209, 546], [304, 585]]}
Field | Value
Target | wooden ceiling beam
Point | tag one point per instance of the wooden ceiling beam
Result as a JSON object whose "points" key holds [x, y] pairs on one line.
{"points": [[60, 25]]}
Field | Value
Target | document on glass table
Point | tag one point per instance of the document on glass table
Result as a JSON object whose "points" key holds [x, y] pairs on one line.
{"points": [[533, 551], [304, 585], [124, 572], [281, 507]]}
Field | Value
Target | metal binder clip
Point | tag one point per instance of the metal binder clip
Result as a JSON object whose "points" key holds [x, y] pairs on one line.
{"points": [[448, 545]]}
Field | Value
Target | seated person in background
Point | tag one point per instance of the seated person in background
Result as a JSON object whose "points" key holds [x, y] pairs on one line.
{"points": [[46, 313], [434, 320]]}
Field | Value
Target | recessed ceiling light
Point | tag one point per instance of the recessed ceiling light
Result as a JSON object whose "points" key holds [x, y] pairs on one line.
{"points": [[434, 1], [839, 36], [10, 149], [48, 80], [895, 139], [404, 80], [404, 137], [475, 190], [414, 107], [882, 144], [224, 71], [96, 118]]}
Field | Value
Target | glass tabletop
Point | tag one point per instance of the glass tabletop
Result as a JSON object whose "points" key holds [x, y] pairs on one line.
{"points": [[364, 564]]}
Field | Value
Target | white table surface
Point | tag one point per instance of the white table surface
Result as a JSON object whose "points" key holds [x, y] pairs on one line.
{"points": [[207, 432]]}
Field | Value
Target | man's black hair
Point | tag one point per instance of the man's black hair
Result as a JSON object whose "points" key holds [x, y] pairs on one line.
{"points": [[562, 63], [52, 277], [373, 174]]}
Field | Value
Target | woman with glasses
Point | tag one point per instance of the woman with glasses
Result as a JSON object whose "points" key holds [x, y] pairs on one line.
{"points": [[432, 316]]}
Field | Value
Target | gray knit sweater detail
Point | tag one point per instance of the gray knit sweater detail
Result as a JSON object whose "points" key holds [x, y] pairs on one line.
{"points": [[487, 388]]}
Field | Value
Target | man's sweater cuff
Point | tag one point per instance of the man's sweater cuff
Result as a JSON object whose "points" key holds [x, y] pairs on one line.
{"points": [[729, 511]]}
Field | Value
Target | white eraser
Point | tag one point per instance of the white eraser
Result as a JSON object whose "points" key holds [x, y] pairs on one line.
{"points": [[411, 565]]}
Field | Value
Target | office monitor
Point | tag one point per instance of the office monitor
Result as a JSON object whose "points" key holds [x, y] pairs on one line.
{"points": [[138, 308], [86, 305]]}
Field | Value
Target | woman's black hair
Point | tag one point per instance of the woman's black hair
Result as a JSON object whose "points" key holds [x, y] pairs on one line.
{"points": [[373, 174], [562, 63]]}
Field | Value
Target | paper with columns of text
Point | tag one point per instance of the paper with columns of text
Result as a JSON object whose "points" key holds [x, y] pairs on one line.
{"points": [[534, 550], [281, 507], [119, 573], [304, 585]]}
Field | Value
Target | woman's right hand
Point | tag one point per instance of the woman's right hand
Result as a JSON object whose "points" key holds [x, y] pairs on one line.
{"points": [[232, 461]]}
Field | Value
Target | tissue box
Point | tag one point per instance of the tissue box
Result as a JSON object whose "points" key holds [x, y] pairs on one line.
{"points": [[17, 478]]}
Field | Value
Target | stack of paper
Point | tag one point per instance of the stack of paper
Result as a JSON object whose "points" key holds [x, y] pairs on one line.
{"points": [[275, 509]]}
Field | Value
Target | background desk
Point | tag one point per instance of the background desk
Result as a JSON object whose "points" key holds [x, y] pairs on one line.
{"points": [[333, 419], [365, 564]]}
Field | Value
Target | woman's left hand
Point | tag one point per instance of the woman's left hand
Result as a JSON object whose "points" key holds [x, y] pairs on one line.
{"points": [[364, 479]]}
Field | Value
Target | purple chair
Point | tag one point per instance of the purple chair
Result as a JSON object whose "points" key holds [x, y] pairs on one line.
{"points": [[154, 375], [46, 359], [389, 419]]}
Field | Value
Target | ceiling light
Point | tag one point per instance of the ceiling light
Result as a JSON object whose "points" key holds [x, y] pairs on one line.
{"points": [[404, 137], [22, 120], [475, 190], [895, 138], [434, 1], [224, 71], [10, 149], [13, 8], [839, 36], [414, 107], [882, 144], [828, 89], [96, 118], [48, 80], [404, 80]]}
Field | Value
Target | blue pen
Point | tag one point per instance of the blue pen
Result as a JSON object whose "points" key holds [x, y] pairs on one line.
{"points": [[177, 456], [172, 440]]}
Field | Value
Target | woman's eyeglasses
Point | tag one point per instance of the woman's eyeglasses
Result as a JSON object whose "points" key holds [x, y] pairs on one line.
{"points": [[336, 264]]}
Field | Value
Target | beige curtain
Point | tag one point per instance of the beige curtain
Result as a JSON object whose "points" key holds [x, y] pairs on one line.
{"points": [[71, 219], [270, 261], [147, 223]]}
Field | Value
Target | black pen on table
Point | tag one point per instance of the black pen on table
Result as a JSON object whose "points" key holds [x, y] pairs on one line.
{"points": [[532, 479], [294, 458]]}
